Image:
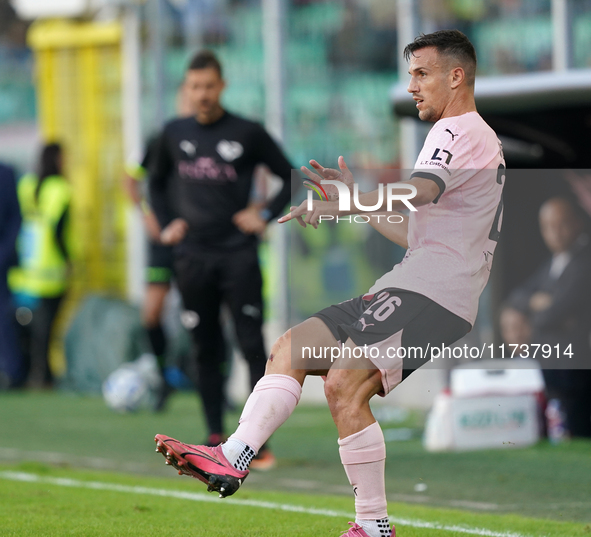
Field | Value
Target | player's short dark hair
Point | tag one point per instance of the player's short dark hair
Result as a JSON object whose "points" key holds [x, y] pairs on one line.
{"points": [[205, 59], [451, 43]]}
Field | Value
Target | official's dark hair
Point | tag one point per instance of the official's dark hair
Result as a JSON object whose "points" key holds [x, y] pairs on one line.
{"points": [[205, 59], [49, 163], [451, 43]]}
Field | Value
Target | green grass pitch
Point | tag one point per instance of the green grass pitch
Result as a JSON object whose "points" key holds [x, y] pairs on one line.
{"points": [[68, 466]]}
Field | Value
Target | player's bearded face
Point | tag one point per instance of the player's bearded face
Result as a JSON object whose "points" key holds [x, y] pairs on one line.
{"points": [[204, 88], [429, 83]]}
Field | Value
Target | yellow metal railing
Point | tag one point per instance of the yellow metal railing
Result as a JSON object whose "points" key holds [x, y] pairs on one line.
{"points": [[78, 81]]}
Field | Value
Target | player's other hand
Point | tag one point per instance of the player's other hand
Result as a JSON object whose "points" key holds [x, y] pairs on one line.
{"points": [[313, 217], [249, 221], [343, 174], [174, 232]]}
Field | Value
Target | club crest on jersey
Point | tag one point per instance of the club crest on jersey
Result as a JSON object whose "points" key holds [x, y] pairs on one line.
{"points": [[190, 148], [229, 151]]}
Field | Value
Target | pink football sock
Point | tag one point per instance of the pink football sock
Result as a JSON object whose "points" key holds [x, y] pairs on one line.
{"points": [[363, 455], [271, 402]]}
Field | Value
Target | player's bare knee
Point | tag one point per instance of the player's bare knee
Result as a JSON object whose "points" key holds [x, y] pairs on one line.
{"points": [[282, 345], [338, 394], [346, 392], [340, 408], [280, 356], [331, 391]]}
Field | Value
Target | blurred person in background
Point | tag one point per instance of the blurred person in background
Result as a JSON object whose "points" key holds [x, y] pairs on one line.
{"points": [[557, 300], [516, 333], [40, 281], [201, 184], [10, 222], [159, 271]]}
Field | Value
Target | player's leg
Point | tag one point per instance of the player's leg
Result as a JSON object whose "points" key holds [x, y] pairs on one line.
{"points": [[158, 277], [293, 356], [241, 283], [392, 319], [349, 387], [151, 315], [272, 401], [276, 395]]}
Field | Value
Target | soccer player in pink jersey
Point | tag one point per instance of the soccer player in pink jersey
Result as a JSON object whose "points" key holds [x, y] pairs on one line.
{"points": [[430, 298]]}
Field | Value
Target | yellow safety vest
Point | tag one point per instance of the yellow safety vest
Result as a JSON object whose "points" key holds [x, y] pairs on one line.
{"points": [[42, 270]]}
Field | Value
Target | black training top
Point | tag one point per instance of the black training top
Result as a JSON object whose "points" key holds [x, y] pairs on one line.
{"points": [[204, 174]]}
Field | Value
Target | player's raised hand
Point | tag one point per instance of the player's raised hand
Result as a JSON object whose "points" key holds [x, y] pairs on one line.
{"points": [[343, 174], [291, 215], [298, 213], [311, 216]]}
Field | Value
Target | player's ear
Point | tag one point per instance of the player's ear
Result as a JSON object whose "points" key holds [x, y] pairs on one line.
{"points": [[457, 76]]}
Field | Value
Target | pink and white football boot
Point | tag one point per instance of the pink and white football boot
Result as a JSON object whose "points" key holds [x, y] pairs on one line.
{"points": [[207, 464]]}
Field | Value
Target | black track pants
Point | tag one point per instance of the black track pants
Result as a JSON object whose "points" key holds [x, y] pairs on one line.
{"points": [[206, 279]]}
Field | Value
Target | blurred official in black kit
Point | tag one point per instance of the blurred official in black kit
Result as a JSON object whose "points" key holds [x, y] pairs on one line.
{"points": [[200, 185]]}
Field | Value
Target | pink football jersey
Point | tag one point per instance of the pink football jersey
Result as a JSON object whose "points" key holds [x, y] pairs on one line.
{"points": [[451, 241]]}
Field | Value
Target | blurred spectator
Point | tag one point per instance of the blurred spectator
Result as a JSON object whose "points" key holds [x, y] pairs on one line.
{"points": [[13, 31], [40, 281], [557, 299], [10, 222], [360, 44], [516, 330]]}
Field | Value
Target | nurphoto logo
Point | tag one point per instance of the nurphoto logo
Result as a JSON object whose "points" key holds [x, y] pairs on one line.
{"points": [[392, 193]]}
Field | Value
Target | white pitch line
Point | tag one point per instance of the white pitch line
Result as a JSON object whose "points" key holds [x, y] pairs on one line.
{"points": [[200, 497]]}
